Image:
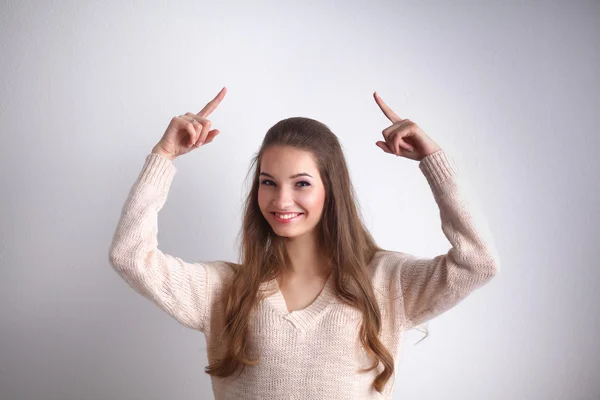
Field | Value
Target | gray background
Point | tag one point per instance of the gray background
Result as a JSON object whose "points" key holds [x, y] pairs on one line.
{"points": [[509, 89]]}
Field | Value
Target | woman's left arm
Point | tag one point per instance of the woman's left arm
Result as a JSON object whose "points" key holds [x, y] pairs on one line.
{"points": [[431, 286]]}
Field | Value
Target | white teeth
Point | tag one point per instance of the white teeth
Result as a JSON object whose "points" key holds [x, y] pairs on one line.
{"points": [[286, 216]]}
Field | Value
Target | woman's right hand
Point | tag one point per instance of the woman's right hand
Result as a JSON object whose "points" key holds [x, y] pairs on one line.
{"points": [[188, 132]]}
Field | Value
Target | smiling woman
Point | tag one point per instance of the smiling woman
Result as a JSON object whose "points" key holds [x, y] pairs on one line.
{"points": [[292, 202], [314, 307]]}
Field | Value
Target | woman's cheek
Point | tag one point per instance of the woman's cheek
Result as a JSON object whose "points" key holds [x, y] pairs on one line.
{"points": [[311, 201], [262, 200]]}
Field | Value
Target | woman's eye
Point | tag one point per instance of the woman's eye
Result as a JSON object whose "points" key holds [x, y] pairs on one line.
{"points": [[268, 182]]}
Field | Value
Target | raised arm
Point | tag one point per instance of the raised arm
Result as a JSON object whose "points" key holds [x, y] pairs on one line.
{"points": [[430, 286], [181, 289], [177, 287]]}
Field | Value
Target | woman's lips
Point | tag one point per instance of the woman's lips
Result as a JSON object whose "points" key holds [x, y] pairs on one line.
{"points": [[284, 221]]}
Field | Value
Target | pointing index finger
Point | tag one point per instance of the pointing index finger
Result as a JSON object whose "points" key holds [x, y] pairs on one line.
{"points": [[392, 116], [210, 107]]}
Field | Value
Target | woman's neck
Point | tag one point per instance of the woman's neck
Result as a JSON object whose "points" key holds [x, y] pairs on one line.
{"points": [[307, 258]]}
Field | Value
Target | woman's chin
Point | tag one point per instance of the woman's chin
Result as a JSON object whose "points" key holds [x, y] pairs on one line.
{"points": [[285, 232]]}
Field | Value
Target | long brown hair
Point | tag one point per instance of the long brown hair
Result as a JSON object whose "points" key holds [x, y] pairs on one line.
{"points": [[347, 244]]}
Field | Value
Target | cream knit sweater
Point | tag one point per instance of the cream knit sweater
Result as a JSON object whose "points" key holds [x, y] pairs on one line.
{"points": [[313, 353]]}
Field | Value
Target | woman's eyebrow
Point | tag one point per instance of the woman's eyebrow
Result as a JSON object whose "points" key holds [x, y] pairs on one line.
{"points": [[291, 177]]}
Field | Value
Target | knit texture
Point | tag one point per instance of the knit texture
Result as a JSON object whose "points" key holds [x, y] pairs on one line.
{"points": [[315, 352]]}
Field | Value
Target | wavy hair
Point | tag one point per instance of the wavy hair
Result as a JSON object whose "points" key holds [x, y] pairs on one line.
{"points": [[347, 244]]}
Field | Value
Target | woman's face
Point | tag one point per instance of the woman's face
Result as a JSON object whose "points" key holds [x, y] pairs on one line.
{"points": [[290, 182]]}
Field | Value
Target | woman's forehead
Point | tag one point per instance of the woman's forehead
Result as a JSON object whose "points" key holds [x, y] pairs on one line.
{"points": [[282, 161]]}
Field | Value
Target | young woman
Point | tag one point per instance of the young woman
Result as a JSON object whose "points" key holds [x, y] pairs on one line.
{"points": [[314, 309]]}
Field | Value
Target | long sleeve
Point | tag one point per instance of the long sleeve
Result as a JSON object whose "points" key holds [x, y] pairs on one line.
{"points": [[177, 287], [431, 286]]}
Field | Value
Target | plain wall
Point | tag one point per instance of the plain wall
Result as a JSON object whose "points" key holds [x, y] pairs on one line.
{"points": [[509, 90]]}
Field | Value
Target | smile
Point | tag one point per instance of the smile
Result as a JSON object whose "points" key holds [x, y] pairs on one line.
{"points": [[286, 217]]}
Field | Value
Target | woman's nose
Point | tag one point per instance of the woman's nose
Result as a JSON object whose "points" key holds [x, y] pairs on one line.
{"points": [[283, 198]]}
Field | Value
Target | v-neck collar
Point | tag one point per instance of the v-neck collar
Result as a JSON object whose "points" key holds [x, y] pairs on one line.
{"points": [[300, 319]]}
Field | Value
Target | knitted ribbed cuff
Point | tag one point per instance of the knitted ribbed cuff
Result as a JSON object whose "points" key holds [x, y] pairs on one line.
{"points": [[438, 167], [158, 171]]}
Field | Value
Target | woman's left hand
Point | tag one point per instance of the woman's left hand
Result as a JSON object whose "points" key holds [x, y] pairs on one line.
{"points": [[404, 138]]}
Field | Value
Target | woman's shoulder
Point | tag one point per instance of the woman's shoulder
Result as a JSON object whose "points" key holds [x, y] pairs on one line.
{"points": [[386, 264], [385, 257], [385, 268], [220, 270]]}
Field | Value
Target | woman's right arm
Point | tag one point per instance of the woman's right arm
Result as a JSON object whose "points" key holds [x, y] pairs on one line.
{"points": [[181, 289], [177, 287]]}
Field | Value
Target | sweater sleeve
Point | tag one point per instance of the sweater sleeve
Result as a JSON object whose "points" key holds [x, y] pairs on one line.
{"points": [[431, 286], [177, 287]]}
